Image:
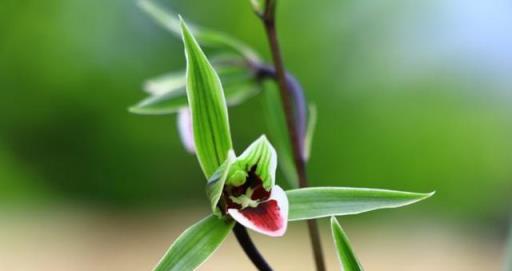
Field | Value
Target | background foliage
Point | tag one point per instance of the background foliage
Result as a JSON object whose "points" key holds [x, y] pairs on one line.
{"points": [[410, 96]]}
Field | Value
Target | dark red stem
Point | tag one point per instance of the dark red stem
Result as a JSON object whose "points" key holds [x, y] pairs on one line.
{"points": [[268, 18]]}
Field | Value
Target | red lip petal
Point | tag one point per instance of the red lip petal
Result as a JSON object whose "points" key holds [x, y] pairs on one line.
{"points": [[269, 217], [266, 216]]}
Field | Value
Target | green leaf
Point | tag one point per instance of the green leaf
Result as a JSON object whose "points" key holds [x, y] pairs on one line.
{"points": [[260, 154], [171, 22], [279, 134], [217, 181], [345, 254], [238, 83], [210, 121], [172, 102], [168, 103], [166, 83], [221, 40], [238, 94], [195, 245], [167, 19], [310, 132], [317, 202]]}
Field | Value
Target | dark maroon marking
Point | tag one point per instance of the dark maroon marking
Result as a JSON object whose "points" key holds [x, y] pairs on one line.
{"points": [[266, 216], [260, 193], [237, 191], [252, 181], [230, 204]]}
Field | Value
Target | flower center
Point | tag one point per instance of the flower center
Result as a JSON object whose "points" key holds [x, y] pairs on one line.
{"points": [[245, 200], [246, 192]]}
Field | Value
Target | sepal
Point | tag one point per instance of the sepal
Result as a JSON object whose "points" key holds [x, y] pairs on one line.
{"points": [[215, 185], [259, 156]]}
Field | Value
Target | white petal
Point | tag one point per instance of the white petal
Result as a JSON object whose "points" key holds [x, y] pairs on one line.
{"points": [[269, 218], [185, 129]]}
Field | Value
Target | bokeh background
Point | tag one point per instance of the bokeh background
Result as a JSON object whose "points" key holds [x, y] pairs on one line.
{"points": [[411, 96]]}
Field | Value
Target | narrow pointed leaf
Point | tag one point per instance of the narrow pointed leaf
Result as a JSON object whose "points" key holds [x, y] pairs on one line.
{"points": [[310, 132], [345, 253], [165, 18], [171, 22], [217, 181], [170, 97], [279, 134], [317, 202], [208, 106], [166, 83], [195, 245], [168, 103], [239, 93], [230, 67], [173, 102], [222, 40]]}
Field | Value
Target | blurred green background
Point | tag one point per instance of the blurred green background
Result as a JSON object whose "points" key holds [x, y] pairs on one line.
{"points": [[411, 96]]}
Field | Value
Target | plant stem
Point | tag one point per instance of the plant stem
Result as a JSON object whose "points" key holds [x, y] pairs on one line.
{"points": [[249, 248], [268, 18]]}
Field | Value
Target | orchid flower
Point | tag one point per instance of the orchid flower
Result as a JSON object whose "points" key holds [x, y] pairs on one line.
{"points": [[242, 189], [245, 190], [242, 73]]}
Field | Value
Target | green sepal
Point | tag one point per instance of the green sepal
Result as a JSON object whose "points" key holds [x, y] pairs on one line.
{"points": [[166, 83], [260, 154], [208, 107], [346, 255], [195, 245], [216, 183], [318, 202], [168, 103], [238, 88]]}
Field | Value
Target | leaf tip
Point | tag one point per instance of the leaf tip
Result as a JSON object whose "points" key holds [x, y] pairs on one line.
{"points": [[183, 25], [186, 34], [428, 195], [422, 197], [134, 109]]}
